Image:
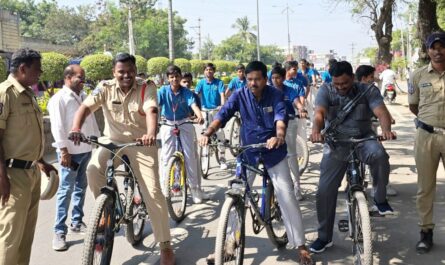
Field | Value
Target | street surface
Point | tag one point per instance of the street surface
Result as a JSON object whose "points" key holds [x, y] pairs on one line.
{"points": [[394, 237]]}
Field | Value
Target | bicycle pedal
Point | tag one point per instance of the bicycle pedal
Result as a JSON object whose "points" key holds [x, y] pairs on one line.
{"points": [[343, 225]]}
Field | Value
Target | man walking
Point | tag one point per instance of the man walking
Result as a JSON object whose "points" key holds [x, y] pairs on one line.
{"points": [[73, 159]]}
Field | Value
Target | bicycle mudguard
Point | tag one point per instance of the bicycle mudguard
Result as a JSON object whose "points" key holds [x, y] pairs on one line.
{"points": [[108, 190], [235, 193]]}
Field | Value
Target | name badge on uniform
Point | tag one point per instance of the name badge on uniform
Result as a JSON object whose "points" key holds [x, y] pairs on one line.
{"points": [[268, 109], [286, 98], [426, 85]]}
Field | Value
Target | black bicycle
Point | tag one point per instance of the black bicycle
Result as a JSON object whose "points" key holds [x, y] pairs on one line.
{"points": [[113, 209], [264, 210]]}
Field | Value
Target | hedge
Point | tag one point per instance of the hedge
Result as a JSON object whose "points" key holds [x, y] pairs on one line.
{"points": [[97, 67], [141, 64], [53, 65], [2, 70], [184, 64], [157, 65], [197, 66]]}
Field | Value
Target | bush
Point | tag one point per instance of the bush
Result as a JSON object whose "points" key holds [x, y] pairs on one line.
{"points": [[157, 65], [2, 70], [53, 65], [226, 79], [97, 67], [184, 64], [197, 66], [221, 66], [141, 64]]}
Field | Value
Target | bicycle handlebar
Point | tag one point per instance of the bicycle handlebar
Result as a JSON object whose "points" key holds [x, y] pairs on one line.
{"points": [[110, 146], [359, 140], [164, 122]]}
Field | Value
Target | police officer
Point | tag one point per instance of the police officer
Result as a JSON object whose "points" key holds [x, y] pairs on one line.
{"points": [[130, 111], [426, 101], [21, 149], [330, 99]]}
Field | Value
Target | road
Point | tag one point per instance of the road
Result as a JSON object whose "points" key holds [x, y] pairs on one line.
{"points": [[394, 237]]}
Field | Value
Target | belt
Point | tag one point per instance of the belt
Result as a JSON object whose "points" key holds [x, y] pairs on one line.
{"points": [[17, 163], [428, 128]]}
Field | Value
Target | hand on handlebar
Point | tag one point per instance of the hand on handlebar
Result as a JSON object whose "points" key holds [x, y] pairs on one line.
{"points": [[199, 120], [388, 135], [303, 114], [147, 140], [203, 140], [76, 137], [274, 142], [316, 137]]}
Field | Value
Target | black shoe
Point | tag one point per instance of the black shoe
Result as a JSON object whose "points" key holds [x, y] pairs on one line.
{"points": [[426, 241], [319, 246]]}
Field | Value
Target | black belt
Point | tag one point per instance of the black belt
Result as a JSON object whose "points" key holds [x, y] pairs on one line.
{"points": [[17, 163], [428, 128]]}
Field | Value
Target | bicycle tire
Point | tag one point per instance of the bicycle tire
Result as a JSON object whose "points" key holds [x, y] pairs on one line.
{"points": [[223, 255], [302, 154], [235, 139], [103, 211], [274, 220], [176, 187], [133, 232], [204, 156], [216, 151], [361, 230]]}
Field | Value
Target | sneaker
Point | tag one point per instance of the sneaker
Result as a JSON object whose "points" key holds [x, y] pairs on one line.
{"points": [[390, 191], [198, 195], [59, 242], [319, 246], [426, 241], [222, 163], [78, 228], [383, 208]]}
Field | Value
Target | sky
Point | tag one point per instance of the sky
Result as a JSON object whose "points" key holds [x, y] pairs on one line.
{"points": [[321, 25]]}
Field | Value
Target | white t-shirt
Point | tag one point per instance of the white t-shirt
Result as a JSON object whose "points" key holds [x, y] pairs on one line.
{"points": [[388, 77]]}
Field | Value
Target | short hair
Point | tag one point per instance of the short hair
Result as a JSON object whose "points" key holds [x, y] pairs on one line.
{"points": [[276, 64], [257, 66], [69, 71], [187, 75], [363, 71], [23, 56], [340, 68], [211, 65], [290, 64], [124, 58], [173, 69], [279, 70], [240, 67], [331, 61]]}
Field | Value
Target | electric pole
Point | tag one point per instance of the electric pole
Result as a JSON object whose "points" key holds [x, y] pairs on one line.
{"points": [[352, 53], [199, 37], [171, 49], [288, 28], [258, 31]]}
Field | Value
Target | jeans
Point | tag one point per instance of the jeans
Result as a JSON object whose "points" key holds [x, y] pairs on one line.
{"points": [[72, 186]]}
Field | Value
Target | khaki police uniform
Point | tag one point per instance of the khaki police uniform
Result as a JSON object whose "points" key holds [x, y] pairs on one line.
{"points": [[427, 90], [124, 122], [22, 122]]}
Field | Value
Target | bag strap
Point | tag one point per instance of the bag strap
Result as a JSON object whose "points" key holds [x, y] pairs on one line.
{"points": [[144, 86]]}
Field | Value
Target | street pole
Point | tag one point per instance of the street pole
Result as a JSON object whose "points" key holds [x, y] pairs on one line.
{"points": [[288, 29], [171, 49], [131, 45], [258, 31], [199, 37], [408, 46], [403, 44]]}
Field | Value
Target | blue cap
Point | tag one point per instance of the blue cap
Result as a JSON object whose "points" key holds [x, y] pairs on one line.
{"points": [[433, 37]]}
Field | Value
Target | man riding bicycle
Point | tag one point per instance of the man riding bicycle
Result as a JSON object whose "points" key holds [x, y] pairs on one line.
{"points": [[330, 100], [130, 109], [263, 115]]}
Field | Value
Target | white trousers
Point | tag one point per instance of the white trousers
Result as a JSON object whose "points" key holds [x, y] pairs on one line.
{"points": [[189, 148], [208, 117], [290, 208], [291, 141]]}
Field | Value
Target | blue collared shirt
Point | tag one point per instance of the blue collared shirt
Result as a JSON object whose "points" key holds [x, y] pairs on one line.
{"points": [[237, 83], [326, 77], [302, 79], [175, 107], [308, 73], [210, 92], [258, 121], [297, 85], [290, 94]]}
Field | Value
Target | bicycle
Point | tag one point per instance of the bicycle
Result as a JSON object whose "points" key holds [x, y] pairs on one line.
{"points": [[207, 151], [176, 184], [302, 151], [235, 133], [113, 209], [264, 210]]}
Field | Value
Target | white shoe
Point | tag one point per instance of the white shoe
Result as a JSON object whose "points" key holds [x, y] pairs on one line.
{"points": [[390, 191], [223, 165], [198, 196]]}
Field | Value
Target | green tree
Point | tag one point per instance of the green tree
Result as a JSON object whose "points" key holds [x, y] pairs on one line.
{"points": [[244, 29], [157, 65], [197, 66], [371, 53], [207, 49], [184, 64], [53, 65], [2, 69], [141, 64], [97, 67]]}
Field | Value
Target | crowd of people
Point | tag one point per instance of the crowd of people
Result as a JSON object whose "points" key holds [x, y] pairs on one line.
{"points": [[273, 107]]}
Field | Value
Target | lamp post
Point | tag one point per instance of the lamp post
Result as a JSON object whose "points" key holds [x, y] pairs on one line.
{"points": [[258, 31], [171, 48]]}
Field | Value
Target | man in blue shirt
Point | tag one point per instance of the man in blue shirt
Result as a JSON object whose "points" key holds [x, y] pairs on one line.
{"points": [[307, 71], [263, 115], [212, 93], [175, 102], [269, 73], [237, 82], [325, 75]]}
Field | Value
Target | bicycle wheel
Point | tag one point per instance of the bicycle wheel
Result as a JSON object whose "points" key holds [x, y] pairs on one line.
{"points": [[176, 188], [99, 239], [235, 138], [302, 154], [230, 238], [361, 230], [204, 155], [136, 213], [276, 231]]}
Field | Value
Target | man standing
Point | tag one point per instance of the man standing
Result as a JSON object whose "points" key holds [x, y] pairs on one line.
{"points": [[212, 93], [73, 159], [21, 148], [426, 101], [330, 99], [130, 109]]}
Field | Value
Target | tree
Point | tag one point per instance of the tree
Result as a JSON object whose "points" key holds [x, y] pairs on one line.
{"points": [[2, 70], [157, 65], [379, 12], [184, 64], [197, 66], [244, 29], [207, 49], [141, 64], [97, 67]]}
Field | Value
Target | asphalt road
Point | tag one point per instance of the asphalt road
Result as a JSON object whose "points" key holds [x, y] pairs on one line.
{"points": [[394, 237]]}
